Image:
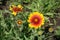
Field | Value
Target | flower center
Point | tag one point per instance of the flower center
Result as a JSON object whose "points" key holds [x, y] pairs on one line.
{"points": [[19, 22], [16, 9], [36, 20]]}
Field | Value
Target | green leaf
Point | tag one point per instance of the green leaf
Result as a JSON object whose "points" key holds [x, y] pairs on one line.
{"points": [[57, 32]]}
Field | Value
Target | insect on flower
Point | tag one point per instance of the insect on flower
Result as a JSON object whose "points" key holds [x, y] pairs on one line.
{"points": [[36, 20], [16, 9]]}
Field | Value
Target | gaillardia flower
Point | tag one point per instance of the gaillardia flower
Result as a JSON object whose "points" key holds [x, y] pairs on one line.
{"points": [[36, 20], [40, 32], [51, 29], [16, 9], [19, 22]]}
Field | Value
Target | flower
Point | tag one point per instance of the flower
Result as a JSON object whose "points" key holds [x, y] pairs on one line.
{"points": [[19, 22], [51, 29], [36, 20], [16, 9], [40, 32]]}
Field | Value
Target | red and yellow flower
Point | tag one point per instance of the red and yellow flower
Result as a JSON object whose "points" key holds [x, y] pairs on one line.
{"points": [[16, 9], [36, 20]]}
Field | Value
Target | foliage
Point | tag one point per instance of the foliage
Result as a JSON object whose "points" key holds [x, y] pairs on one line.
{"points": [[11, 30]]}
